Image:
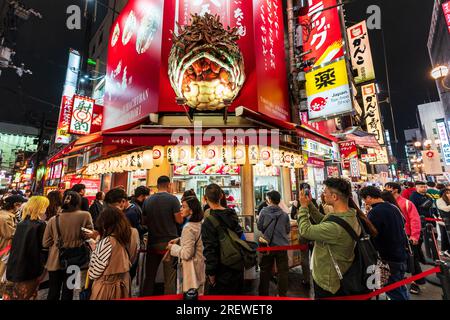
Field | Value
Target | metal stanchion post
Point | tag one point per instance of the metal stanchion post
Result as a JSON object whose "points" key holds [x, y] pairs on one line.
{"points": [[444, 277]]}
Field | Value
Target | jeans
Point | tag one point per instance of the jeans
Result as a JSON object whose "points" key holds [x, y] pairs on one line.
{"points": [[267, 263], [56, 280]]}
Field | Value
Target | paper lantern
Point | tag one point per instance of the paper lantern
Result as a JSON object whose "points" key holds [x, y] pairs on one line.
{"points": [[287, 158], [147, 160], [124, 163], [211, 154], [158, 155], [198, 155], [172, 155], [184, 154], [227, 154], [253, 154], [276, 157], [139, 160], [239, 154], [266, 156]]}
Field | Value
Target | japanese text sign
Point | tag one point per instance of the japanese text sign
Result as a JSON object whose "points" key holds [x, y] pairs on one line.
{"points": [[82, 114], [348, 150], [443, 136], [372, 112], [328, 91], [360, 52], [322, 32]]}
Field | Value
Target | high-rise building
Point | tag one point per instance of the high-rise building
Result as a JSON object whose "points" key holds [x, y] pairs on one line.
{"points": [[439, 49], [432, 116], [412, 136]]}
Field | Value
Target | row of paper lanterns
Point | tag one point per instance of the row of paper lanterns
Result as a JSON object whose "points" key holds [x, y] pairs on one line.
{"points": [[189, 155]]}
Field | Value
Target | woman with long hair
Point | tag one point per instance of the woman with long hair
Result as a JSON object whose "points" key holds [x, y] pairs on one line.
{"points": [[189, 248], [27, 257], [387, 196], [55, 198], [110, 263], [64, 230]]}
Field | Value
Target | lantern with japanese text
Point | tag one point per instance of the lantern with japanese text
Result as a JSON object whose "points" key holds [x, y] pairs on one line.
{"points": [[158, 155], [253, 154], [298, 161], [147, 159], [198, 155], [206, 66], [227, 154], [276, 157], [240, 155], [172, 155]]}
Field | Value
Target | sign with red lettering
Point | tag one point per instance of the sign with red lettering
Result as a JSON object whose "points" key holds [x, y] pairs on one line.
{"points": [[348, 150]]}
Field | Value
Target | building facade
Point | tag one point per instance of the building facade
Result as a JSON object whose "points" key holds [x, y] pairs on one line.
{"points": [[439, 50]]}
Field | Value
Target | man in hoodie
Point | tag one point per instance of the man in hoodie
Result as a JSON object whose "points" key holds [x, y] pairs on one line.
{"points": [[221, 280], [275, 225]]}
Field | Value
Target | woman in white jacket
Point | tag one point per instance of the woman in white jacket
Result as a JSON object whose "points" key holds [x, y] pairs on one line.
{"points": [[189, 248]]}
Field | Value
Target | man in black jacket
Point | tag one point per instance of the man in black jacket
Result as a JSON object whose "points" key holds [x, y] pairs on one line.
{"points": [[81, 190], [221, 280], [391, 241]]}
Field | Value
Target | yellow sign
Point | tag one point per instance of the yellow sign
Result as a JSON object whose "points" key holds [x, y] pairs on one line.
{"points": [[328, 91]]}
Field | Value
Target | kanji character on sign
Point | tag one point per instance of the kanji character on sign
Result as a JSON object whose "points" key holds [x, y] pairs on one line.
{"points": [[325, 78]]}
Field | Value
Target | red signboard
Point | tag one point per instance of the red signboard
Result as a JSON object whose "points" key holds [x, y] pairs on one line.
{"points": [[348, 150], [322, 32], [316, 162], [324, 127], [97, 119], [64, 120], [446, 9], [134, 58], [138, 84], [333, 171]]}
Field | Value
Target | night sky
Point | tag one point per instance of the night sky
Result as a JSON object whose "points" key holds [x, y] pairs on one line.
{"points": [[43, 46]]}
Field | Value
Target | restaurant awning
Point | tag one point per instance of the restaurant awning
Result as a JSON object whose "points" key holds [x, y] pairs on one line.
{"points": [[77, 145]]}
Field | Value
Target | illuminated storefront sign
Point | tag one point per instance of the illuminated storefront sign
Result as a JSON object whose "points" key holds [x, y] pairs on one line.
{"points": [[360, 52], [445, 143], [82, 115], [372, 111]]}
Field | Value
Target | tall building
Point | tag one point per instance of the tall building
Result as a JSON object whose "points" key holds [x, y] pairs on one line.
{"points": [[432, 116], [439, 49]]}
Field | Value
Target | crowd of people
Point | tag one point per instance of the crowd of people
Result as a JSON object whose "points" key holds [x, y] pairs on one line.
{"points": [[201, 243]]}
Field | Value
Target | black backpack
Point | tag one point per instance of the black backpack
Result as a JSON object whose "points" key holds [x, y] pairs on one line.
{"points": [[362, 276]]}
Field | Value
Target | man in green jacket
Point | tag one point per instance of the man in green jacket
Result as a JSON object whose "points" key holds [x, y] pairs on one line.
{"points": [[331, 240]]}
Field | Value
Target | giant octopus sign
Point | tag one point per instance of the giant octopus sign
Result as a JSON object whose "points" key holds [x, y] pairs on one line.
{"points": [[206, 66], [162, 52]]}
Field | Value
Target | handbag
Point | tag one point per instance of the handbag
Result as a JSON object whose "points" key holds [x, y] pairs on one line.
{"points": [[78, 256]]}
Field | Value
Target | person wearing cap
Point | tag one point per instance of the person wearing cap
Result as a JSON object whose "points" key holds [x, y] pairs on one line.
{"points": [[11, 205]]}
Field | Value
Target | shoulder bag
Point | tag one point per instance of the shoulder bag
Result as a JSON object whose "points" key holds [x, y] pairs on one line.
{"points": [[78, 256]]}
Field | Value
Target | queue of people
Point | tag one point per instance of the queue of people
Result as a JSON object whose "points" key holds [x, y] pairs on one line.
{"points": [[57, 235]]}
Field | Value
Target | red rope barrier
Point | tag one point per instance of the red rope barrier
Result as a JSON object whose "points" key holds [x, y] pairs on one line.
{"points": [[268, 298], [5, 250], [301, 247], [434, 220]]}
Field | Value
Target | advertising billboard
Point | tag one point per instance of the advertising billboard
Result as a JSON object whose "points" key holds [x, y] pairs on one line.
{"points": [[372, 112], [328, 91], [322, 32], [445, 143], [81, 115], [361, 54], [70, 88]]}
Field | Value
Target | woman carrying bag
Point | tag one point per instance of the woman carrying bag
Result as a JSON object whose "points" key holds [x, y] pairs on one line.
{"points": [[189, 251], [64, 238], [113, 256]]}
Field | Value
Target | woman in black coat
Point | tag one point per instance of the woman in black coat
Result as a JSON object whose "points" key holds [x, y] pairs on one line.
{"points": [[26, 261]]}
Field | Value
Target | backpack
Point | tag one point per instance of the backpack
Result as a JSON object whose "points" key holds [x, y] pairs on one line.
{"points": [[367, 271], [235, 253]]}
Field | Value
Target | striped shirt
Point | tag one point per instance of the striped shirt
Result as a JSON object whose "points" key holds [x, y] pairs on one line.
{"points": [[100, 258]]}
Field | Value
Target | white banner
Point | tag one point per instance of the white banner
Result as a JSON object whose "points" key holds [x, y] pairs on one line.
{"points": [[445, 144], [431, 162], [359, 43], [372, 111]]}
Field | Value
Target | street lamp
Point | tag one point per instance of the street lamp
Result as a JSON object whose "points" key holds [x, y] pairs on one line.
{"points": [[417, 144], [440, 73]]}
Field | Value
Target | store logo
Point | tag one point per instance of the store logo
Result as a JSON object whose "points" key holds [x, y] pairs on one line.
{"points": [[318, 104]]}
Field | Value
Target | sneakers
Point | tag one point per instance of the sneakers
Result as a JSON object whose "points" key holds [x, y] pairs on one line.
{"points": [[414, 289], [445, 254]]}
